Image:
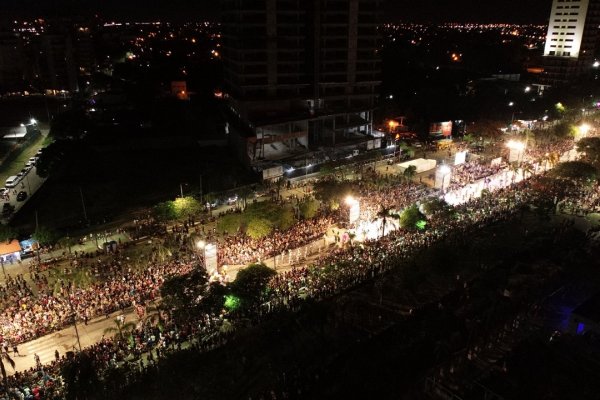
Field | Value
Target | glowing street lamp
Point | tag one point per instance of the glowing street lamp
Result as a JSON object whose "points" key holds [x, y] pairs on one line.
{"points": [[584, 129], [515, 145], [393, 125]]}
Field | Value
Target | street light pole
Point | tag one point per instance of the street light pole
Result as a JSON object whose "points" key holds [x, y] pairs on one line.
{"points": [[83, 204], [181, 189], [74, 316], [201, 196]]}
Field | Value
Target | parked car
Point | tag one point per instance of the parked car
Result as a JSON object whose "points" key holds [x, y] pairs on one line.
{"points": [[232, 199], [12, 181], [21, 196]]}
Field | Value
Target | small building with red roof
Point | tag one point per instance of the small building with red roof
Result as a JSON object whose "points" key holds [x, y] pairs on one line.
{"points": [[10, 252]]}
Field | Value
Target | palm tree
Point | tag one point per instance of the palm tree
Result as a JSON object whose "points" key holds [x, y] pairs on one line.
{"points": [[553, 158], [11, 362], [468, 138], [121, 329], [514, 168], [244, 193], [410, 172], [162, 252], [385, 213], [527, 169], [153, 316], [405, 149]]}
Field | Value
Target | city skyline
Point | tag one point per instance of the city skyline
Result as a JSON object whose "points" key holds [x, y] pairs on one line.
{"points": [[528, 11]]}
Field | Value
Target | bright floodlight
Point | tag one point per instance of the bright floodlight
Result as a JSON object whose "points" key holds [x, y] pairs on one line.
{"points": [[515, 145], [512, 103], [201, 244], [596, 64], [350, 200], [33, 121], [584, 129], [527, 89], [444, 169]]}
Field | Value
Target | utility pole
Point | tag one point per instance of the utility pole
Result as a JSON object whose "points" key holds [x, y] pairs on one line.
{"points": [[73, 315], [83, 204], [181, 189], [201, 196]]}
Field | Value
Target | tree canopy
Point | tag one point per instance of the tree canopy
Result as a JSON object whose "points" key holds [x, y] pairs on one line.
{"points": [[258, 228], [309, 208], [188, 296], [433, 206], [579, 170], [7, 233], [564, 130], [409, 172], [591, 147], [45, 235], [331, 192], [230, 224], [250, 284], [410, 217], [180, 208]]}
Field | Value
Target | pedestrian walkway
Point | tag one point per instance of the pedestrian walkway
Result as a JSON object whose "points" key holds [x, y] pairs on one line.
{"points": [[65, 340]]}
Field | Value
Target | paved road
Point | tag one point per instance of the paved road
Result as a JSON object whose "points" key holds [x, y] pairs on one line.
{"points": [[65, 340]]}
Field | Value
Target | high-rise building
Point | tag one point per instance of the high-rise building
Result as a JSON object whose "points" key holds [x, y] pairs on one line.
{"points": [[572, 40], [54, 62], [299, 73], [12, 62]]}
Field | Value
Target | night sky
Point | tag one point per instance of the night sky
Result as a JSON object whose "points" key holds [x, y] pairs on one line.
{"points": [[535, 11]]}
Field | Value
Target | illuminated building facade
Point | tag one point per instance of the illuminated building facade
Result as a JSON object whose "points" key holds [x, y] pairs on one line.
{"points": [[571, 41]]}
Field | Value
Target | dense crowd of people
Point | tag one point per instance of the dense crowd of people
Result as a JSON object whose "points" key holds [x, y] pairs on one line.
{"points": [[583, 200], [471, 172], [28, 312], [396, 196], [242, 250], [27, 315]]}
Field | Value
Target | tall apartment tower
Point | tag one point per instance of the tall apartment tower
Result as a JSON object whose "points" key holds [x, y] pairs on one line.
{"points": [[572, 40], [12, 62], [299, 74]]}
